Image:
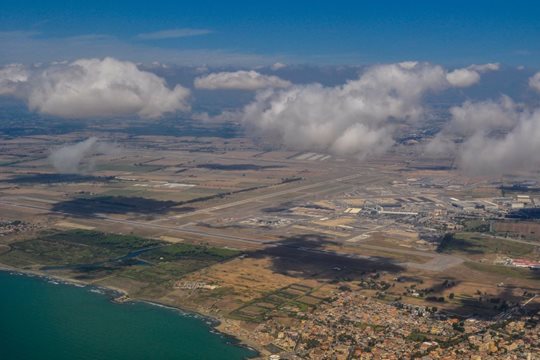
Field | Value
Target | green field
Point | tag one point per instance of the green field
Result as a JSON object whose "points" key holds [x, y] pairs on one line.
{"points": [[73, 247], [276, 302], [503, 270], [113, 242], [474, 243], [92, 255], [182, 251]]}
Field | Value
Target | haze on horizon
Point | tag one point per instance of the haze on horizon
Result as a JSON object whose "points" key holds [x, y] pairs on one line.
{"points": [[343, 77]]}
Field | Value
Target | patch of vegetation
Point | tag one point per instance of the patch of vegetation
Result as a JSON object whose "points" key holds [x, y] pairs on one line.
{"points": [[92, 254], [375, 327], [114, 242], [43, 252], [74, 247], [163, 272], [473, 243], [503, 270], [312, 343], [418, 336], [188, 251], [476, 226], [281, 298]]}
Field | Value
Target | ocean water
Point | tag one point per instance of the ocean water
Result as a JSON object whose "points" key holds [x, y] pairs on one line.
{"points": [[43, 320]]}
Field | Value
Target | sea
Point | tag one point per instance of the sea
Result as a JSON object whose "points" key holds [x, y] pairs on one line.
{"points": [[45, 319]]}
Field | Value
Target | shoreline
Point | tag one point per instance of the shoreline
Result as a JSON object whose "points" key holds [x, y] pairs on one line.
{"points": [[112, 293]]}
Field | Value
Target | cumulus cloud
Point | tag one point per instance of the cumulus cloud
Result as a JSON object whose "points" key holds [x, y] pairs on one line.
{"points": [[470, 75], [463, 77], [11, 77], [472, 119], [534, 82], [77, 158], [357, 118], [488, 115], [491, 137], [240, 80], [516, 150], [99, 88]]}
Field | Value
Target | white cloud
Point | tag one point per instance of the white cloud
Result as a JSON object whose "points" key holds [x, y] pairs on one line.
{"points": [[516, 150], [240, 80], [408, 64], [534, 82], [173, 34], [99, 88], [441, 146], [491, 137], [361, 140], [482, 68], [463, 77], [489, 115], [278, 66], [356, 118], [69, 159], [470, 75], [11, 77]]}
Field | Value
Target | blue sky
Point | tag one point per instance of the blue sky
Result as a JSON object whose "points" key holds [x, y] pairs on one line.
{"points": [[257, 32]]}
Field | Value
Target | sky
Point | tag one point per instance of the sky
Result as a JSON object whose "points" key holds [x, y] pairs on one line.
{"points": [[237, 33]]}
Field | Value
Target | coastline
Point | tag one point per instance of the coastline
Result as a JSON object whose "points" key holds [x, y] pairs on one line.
{"points": [[214, 323]]}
